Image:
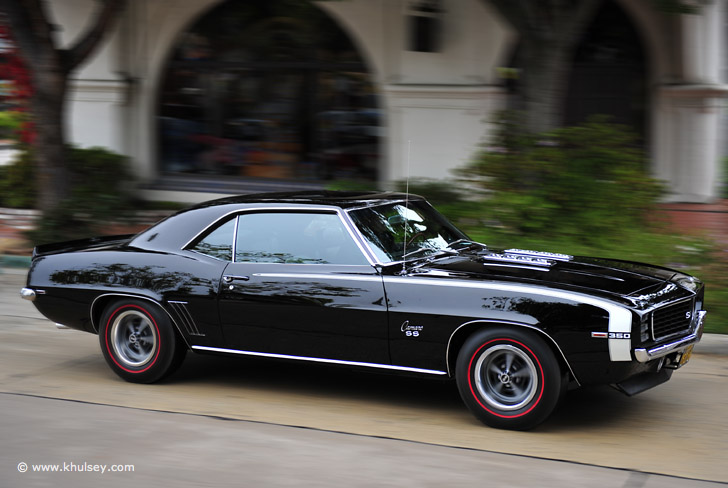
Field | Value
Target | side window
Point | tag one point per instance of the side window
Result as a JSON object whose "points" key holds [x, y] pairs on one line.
{"points": [[299, 238], [218, 243]]}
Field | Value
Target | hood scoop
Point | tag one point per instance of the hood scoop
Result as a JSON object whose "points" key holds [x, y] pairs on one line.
{"points": [[554, 256], [523, 257], [494, 258]]}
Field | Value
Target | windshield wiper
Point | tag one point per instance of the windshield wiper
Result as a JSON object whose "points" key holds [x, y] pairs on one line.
{"points": [[468, 245], [434, 254], [416, 251]]}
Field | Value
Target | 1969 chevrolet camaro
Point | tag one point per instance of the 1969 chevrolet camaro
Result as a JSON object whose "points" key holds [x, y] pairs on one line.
{"points": [[377, 280]]}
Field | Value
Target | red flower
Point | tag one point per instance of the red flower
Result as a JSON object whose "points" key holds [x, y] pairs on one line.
{"points": [[14, 69]]}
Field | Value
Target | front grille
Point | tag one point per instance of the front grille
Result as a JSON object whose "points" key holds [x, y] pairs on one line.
{"points": [[672, 320]]}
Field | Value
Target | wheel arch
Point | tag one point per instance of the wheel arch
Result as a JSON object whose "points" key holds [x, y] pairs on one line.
{"points": [[102, 301], [462, 332]]}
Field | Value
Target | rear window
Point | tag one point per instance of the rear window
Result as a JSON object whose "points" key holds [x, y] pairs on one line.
{"points": [[217, 243]]}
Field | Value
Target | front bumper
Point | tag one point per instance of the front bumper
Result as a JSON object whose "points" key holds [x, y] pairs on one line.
{"points": [[644, 355]]}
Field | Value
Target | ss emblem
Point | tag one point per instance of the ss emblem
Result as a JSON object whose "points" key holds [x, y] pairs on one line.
{"points": [[411, 330]]}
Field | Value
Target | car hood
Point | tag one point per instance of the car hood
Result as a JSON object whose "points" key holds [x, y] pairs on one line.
{"points": [[636, 284]]}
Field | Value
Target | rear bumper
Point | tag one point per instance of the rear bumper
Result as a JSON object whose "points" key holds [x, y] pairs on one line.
{"points": [[644, 355], [28, 294]]}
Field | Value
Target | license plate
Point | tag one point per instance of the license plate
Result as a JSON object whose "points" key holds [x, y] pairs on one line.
{"points": [[686, 355]]}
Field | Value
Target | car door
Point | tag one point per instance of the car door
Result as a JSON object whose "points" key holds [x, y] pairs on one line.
{"points": [[299, 285]]}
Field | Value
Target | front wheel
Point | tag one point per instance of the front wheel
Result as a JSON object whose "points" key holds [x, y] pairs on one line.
{"points": [[139, 342], [508, 378]]}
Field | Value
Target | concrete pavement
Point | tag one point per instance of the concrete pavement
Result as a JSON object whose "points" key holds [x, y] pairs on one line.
{"points": [[149, 448]]}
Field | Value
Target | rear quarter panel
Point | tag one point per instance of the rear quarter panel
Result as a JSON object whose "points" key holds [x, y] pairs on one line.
{"points": [[73, 281]]}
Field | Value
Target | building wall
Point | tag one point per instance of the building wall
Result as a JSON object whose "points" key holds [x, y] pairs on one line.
{"points": [[436, 104], [98, 92], [690, 99]]}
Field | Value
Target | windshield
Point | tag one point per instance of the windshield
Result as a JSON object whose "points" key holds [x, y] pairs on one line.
{"points": [[396, 232]]}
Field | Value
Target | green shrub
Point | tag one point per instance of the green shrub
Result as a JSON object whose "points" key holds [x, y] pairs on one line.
{"points": [[10, 122], [588, 181], [101, 183], [17, 183]]}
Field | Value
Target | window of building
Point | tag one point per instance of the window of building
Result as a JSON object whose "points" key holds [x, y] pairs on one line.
{"points": [[268, 89]]}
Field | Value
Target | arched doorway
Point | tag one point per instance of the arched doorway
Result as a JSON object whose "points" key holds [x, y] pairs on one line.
{"points": [[609, 74], [268, 89]]}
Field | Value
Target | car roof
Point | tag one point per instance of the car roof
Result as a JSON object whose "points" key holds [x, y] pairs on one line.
{"points": [[179, 229], [342, 199]]}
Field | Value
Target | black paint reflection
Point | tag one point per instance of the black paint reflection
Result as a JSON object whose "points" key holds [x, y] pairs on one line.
{"points": [[337, 318], [296, 292], [154, 278], [275, 257], [547, 313]]}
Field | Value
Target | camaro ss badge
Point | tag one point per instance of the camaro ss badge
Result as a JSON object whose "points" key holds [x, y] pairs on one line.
{"points": [[611, 335], [411, 330]]}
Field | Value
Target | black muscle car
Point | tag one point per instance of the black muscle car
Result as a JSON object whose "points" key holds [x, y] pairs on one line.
{"points": [[377, 280]]}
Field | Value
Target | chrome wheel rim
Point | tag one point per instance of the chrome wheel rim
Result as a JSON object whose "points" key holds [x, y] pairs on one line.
{"points": [[133, 338], [506, 377]]}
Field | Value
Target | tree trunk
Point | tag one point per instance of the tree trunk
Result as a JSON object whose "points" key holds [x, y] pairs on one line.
{"points": [[549, 33], [50, 67], [544, 85], [49, 149]]}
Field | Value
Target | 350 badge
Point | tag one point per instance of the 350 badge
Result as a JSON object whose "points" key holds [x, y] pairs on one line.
{"points": [[611, 335]]}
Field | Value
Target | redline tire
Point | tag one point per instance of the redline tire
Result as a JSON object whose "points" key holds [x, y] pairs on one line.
{"points": [[139, 342], [508, 378]]}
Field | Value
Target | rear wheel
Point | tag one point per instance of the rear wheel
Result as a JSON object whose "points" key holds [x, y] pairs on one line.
{"points": [[139, 342], [508, 378]]}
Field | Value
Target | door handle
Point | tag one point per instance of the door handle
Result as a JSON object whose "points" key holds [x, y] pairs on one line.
{"points": [[230, 279]]}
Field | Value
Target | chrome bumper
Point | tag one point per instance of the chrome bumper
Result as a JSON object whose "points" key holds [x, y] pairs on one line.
{"points": [[27, 294], [643, 355]]}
